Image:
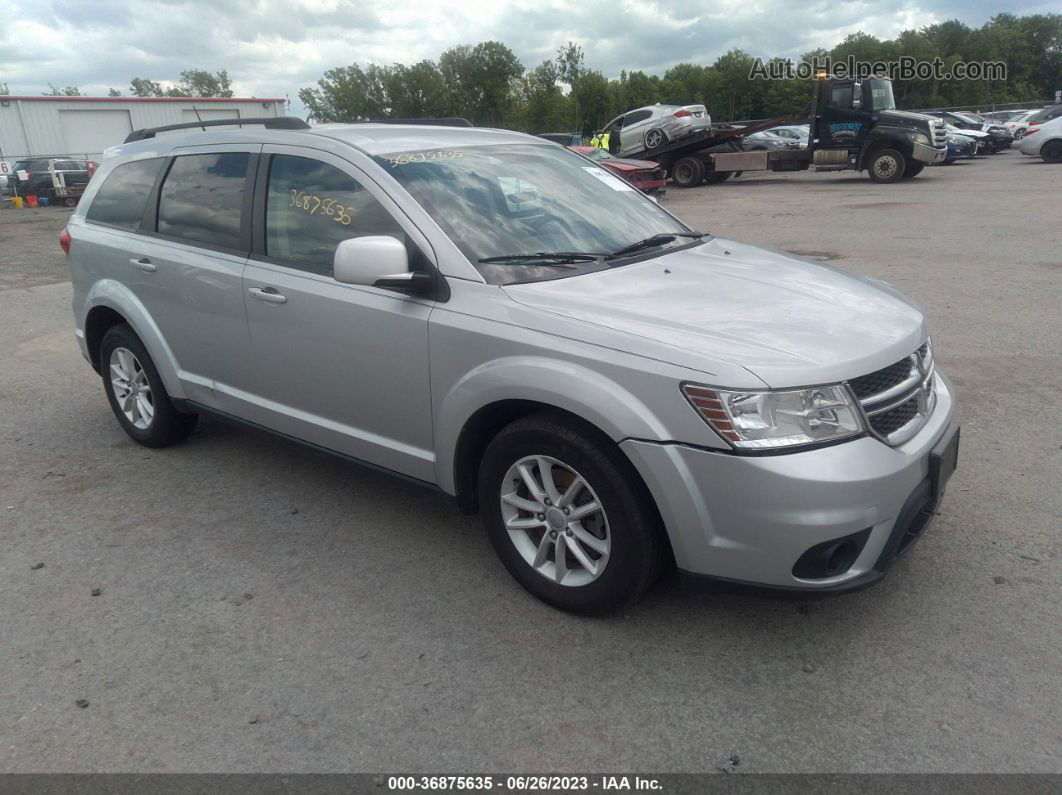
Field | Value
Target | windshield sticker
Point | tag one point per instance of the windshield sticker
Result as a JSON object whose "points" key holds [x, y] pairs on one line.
{"points": [[613, 182], [327, 206], [421, 157]]}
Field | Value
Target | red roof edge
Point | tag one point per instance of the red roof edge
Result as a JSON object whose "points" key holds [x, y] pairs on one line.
{"points": [[6, 98]]}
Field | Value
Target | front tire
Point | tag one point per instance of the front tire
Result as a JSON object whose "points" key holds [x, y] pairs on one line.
{"points": [[913, 169], [886, 165], [568, 516], [136, 393]]}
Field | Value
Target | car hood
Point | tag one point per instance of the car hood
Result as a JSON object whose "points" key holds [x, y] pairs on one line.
{"points": [[908, 117], [788, 321]]}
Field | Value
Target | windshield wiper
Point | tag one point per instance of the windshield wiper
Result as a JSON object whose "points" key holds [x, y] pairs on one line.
{"points": [[554, 259], [653, 240]]}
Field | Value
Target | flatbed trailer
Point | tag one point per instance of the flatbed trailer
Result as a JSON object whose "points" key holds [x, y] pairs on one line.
{"points": [[714, 155]]}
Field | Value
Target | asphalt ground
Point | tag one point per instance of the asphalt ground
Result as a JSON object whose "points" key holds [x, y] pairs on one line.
{"points": [[264, 607]]}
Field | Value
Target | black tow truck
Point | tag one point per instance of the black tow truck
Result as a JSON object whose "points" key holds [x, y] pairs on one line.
{"points": [[854, 125]]}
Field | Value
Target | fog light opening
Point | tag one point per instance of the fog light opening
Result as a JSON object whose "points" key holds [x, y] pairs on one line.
{"points": [[831, 558]]}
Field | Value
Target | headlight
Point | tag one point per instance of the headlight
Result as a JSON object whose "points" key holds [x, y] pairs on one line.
{"points": [[771, 420], [920, 138]]}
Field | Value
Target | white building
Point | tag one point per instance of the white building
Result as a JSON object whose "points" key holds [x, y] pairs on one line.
{"points": [[82, 127]]}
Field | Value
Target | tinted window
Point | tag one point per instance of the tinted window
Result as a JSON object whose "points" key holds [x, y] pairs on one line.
{"points": [[312, 206], [637, 116], [202, 198], [841, 96], [121, 199]]}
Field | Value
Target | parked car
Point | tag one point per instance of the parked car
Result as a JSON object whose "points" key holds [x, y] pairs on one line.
{"points": [[769, 140], [1044, 115], [1044, 140], [795, 132], [999, 137], [982, 141], [38, 172], [564, 139], [649, 128], [645, 175], [483, 312], [959, 146]]}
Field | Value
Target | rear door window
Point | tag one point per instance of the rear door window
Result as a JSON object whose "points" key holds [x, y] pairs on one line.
{"points": [[120, 200], [201, 200]]}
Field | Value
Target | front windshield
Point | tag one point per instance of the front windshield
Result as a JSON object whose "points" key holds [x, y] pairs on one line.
{"points": [[513, 199], [881, 95]]}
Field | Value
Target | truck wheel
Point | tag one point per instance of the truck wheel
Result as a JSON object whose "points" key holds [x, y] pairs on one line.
{"points": [[913, 169], [655, 138], [887, 165], [687, 172], [1051, 152], [567, 515]]}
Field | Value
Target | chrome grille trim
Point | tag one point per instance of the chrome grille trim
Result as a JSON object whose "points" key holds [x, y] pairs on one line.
{"points": [[883, 409]]}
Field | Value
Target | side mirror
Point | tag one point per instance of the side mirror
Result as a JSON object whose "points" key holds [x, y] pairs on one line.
{"points": [[378, 261], [366, 260], [857, 96]]}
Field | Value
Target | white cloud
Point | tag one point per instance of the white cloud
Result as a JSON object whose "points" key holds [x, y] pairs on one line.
{"points": [[273, 48]]}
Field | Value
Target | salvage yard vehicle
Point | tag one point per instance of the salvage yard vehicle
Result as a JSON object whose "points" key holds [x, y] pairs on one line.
{"points": [[854, 126], [768, 140], [959, 146], [489, 314], [999, 137], [59, 179], [645, 175], [647, 129], [1044, 140]]}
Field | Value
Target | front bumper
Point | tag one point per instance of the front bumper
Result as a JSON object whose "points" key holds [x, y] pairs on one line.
{"points": [[745, 521], [928, 154]]}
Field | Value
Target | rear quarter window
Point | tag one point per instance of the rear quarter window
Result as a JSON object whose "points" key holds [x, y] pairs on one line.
{"points": [[120, 200]]}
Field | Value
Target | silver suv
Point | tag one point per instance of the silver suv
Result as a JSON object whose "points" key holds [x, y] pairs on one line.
{"points": [[494, 316]]}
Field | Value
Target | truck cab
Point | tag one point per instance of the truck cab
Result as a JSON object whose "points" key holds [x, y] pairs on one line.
{"points": [[855, 125]]}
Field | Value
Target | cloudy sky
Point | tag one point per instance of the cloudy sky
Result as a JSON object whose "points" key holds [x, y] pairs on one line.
{"points": [[271, 48]]}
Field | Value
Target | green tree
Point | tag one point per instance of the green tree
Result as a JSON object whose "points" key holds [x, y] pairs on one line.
{"points": [[570, 65], [200, 83], [347, 93], [113, 92], [67, 91], [590, 93], [415, 91], [4, 90], [142, 87]]}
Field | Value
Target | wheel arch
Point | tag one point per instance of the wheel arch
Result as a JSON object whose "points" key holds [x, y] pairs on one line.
{"points": [[885, 139], [110, 303]]}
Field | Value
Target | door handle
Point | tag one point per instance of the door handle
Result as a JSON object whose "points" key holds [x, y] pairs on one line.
{"points": [[267, 294], [144, 264]]}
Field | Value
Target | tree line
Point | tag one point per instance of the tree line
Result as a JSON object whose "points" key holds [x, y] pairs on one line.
{"points": [[487, 84], [192, 83]]}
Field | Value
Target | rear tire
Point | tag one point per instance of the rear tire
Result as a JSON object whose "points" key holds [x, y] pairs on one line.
{"points": [[886, 165], [1051, 152], [687, 172], [654, 139], [136, 393], [611, 554]]}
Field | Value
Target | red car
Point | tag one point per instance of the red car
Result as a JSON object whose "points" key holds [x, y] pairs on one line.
{"points": [[645, 175]]}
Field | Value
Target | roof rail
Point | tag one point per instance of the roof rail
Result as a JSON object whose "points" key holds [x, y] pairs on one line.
{"points": [[269, 122], [449, 121]]}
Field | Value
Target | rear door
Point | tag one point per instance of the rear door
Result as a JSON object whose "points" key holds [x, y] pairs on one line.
{"points": [[187, 267], [339, 365]]}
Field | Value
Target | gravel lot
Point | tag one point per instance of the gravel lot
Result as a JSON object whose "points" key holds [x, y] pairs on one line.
{"points": [[263, 607]]}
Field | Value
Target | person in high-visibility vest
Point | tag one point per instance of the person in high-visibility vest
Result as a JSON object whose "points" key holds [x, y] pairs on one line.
{"points": [[600, 140]]}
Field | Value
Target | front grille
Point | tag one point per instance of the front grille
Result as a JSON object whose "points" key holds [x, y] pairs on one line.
{"points": [[937, 133], [888, 422], [884, 379], [898, 399]]}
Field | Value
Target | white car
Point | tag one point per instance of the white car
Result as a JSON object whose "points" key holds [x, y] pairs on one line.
{"points": [[1016, 121], [1044, 140], [649, 128]]}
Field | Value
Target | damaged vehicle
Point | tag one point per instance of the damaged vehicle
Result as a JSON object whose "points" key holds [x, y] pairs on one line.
{"points": [[490, 315]]}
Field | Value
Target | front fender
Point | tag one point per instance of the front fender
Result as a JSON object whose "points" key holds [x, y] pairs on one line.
{"points": [[116, 296], [583, 392]]}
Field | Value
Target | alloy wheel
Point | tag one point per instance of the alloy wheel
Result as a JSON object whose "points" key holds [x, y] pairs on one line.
{"points": [[131, 388], [555, 520]]}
